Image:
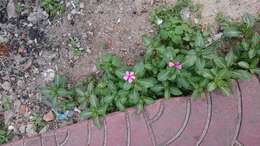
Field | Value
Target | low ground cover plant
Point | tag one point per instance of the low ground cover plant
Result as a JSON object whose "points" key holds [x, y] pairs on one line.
{"points": [[53, 7], [5, 134], [182, 58]]}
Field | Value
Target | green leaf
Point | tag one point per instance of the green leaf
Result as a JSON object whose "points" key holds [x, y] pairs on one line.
{"points": [[85, 114], [79, 92], [182, 82], [200, 63], [220, 62], [148, 100], [157, 88], [163, 75], [199, 42], [167, 94], [140, 107], [63, 92], [108, 99], [147, 83], [178, 30], [195, 94], [134, 97], [164, 34], [190, 60], [175, 91], [127, 86], [120, 106], [139, 69], [119, 73], [147, 41], [176, 39], [243, 64], [249, 20], [257, 71], [241, 74], [93, 100], [206, 74], [46, 91], [211, 86], [223, 74], [148, 66], [251, 53], [230, 58], [231, 33], [226, 90], [97, 122]]}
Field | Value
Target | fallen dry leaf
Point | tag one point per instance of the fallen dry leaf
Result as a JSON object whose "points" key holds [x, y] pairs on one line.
{"points": [[3, 49], [23, 109], [49, 116]]}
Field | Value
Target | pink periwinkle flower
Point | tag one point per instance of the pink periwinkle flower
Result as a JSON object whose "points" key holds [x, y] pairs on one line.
{"points": [[176, 65], [129, 76]]}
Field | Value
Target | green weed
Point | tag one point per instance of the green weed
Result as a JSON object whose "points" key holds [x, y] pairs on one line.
{"points": [[19, 7], [37, 122], [5, 135], [52, 7], [74, 46]]}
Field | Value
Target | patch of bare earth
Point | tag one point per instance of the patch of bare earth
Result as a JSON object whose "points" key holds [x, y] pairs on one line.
{"points": [[120, 25]]}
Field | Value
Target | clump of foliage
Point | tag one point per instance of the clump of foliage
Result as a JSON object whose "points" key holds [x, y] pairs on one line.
{"points": [[37, 122], [5, 135], [74, 46], [5, 104], [53, 7], [180, 59], [19, 7]]}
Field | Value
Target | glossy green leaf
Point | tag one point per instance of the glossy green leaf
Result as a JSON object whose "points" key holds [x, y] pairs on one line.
{"points": [[231, 33], [211, 86], [225, 90], [85, 114], [243, 64], [148, 100], [139, 69], [93, 100], [251, 53], [230, 58], [199, 42], [241, 74], [163, 75], [190, 60], [175, 91], [220, 62], [97, 122], [147, 83]]}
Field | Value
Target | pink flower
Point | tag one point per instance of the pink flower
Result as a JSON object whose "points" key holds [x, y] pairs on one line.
{"points": [[129, 76], [171, 64], [176, 65]]}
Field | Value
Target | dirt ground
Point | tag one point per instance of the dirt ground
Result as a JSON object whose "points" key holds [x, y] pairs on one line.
{"points": [[101, 26], [121, 24]]}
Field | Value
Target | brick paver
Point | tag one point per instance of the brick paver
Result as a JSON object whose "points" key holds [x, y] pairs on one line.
{"points": [[214, 120]]}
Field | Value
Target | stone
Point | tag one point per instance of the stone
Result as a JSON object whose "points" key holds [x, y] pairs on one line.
{"points": [[44, 129], [49, 75], [22, 128], [11, 12], [185, 14], [30, 130], [81, 5], [37, 16], [6, 85]]}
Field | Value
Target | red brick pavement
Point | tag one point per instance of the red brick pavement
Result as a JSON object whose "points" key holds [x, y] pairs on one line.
{"points": [[215, 120]]}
